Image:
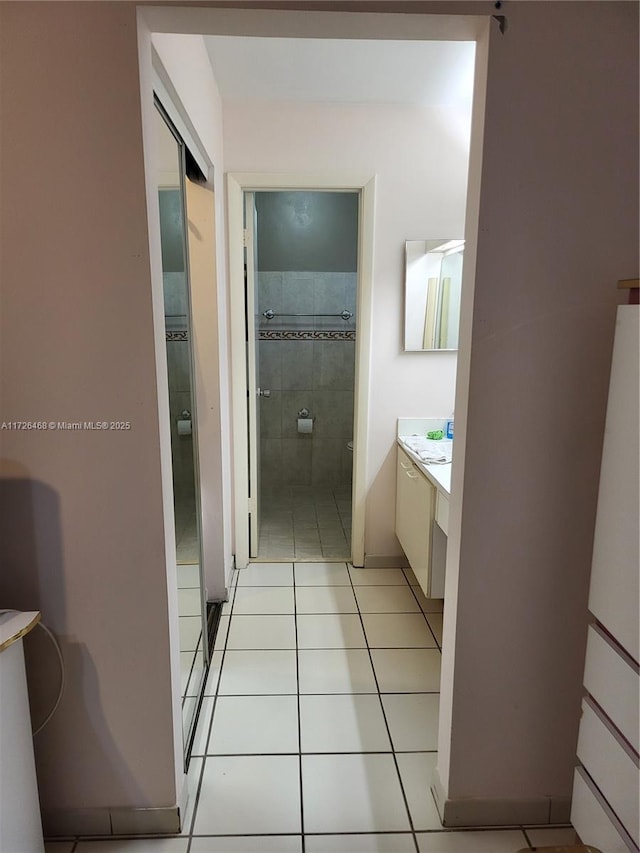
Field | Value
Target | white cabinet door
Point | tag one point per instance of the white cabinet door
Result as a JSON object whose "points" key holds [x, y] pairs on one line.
{"points": [[415, 508], [614, 592]]}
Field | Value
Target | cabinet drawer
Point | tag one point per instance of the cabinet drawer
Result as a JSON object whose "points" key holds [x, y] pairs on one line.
{"points": [[611, 767], [442, 512], [592, 822], [415, 505], [614, 684]]}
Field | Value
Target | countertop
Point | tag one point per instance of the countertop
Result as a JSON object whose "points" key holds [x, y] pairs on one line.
{"points": [[439, 475]]}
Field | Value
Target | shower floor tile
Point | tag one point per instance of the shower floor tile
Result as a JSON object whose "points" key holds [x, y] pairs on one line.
{"points": [[305, 522]]}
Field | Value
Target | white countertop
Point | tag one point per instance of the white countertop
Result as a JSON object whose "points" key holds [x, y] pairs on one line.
{"points": [[15, 624], [439, 475]]}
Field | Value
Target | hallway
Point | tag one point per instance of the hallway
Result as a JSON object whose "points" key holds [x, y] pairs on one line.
{"points": [[318, 730]]}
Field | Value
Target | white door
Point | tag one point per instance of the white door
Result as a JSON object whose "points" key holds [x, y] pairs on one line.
{"points": [[253, 371]]}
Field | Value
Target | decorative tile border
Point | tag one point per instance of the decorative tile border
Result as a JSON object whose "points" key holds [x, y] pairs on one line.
{"points": [[182, 335], [306, 335]]}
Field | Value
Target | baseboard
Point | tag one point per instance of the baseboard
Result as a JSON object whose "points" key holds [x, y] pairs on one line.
{"points": [[380, 561], [111, 821], [472, 811]]}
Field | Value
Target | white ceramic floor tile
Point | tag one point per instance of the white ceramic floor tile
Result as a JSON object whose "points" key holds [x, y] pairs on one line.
{"points": [[386, 599], [491, 841], [189, 628], [343, 723], [254, 724], [188, 712], [249, 844], [221, 633], [214, 674], [388, 843], [398, 630], [377, 577], [262, 632], [196, 675], [245, 672], [322, 574], [188, 576], [352, 793], [325, 599], [435, 623], [266, 574], [330, 631], [202, 729], [416, 771], [249, 795], [553, 836], [189, 602], [413, 720], [407, 670], [193, 780], [261, 600], [147, 845], [335, 671], [227, 605], [186, 665]]}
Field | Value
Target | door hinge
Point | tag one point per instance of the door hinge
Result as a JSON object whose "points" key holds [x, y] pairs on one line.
{"points": [[245, 238]]}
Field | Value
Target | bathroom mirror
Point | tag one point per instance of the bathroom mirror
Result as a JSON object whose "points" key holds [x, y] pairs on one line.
{"points": [[433, 279]]}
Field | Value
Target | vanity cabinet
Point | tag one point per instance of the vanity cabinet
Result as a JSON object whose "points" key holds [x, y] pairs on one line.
{"points": [[416, 499]]}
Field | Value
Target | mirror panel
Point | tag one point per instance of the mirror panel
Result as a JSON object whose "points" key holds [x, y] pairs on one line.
{"points": [[192, 621], [433, 284]]}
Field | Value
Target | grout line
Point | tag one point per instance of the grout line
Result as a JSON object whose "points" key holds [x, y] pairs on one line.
{"points": [[315, 751], [386, 722], [295, 618], [196, 803]]}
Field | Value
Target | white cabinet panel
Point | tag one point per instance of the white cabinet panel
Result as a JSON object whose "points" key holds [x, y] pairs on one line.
{"points": [[614, 591], [614, 684], [442, 512], [611, 767], [415, 508], [591, 821]]}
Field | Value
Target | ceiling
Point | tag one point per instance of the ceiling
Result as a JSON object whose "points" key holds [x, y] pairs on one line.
{"points": [[343, 70]]}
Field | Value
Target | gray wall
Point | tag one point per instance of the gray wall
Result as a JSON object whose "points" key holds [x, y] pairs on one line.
{"points": [[307, 231]]}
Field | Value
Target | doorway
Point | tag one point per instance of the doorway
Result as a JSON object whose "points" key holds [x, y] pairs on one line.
{"points": [[302, 283], [359, 193]]}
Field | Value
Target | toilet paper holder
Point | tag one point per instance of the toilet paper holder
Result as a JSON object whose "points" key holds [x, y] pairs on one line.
{"points": [[303, 413]]}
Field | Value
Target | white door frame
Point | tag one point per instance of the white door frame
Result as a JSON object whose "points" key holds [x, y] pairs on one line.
{"points": [[237, 184]]}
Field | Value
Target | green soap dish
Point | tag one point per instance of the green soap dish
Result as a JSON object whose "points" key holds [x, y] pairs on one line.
{"points": [[435, 434]]}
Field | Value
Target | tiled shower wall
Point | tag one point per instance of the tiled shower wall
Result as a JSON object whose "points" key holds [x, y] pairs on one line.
{"points": [[306, 362]]}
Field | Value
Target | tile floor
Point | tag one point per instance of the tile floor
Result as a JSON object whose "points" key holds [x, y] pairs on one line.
{"points": [[192, 662], [305, 523], [319, 725], [187, 542]]}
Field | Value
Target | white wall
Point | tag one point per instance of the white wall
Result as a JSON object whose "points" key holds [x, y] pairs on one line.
{"points": [[85, 533], [558, 226], [420, 159]]}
